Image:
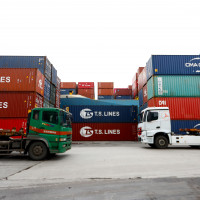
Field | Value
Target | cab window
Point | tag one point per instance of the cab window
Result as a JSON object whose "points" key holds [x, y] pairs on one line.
{"points": [[152, 116], [36, 114], [50, 117]]}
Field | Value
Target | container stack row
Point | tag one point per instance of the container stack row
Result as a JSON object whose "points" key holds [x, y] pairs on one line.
{"points": [[123, 93], [86, 89], [105, 90], [103, 122], [26, 82], [172, 81], [68, 88]]}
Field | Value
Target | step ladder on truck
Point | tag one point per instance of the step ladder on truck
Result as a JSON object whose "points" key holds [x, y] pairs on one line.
{"points": [[48, 131], [154, 129]]}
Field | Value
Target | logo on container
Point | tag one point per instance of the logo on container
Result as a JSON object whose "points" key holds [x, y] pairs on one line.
{"points": [[195, 62], [40, 84], [145, 93], [86, 113], [4, 79], [162, 103], [3, 104], [86, 131]]}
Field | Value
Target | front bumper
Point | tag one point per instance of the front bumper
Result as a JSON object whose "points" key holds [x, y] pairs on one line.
{"points": [[146, 140]]}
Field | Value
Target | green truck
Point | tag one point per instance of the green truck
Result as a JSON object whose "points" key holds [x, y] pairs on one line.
{"points": [[48, 131]]}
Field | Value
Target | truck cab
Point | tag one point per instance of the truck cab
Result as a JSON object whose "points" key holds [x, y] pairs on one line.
{"points": [[154, 129], [48, 131]]}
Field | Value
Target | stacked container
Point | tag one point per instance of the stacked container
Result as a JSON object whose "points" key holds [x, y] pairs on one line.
{"points": [[123, 93], [26, 82], [58, 92], [105, 90], [104, 122], [68, 88], [173, 81], [86, 89]]}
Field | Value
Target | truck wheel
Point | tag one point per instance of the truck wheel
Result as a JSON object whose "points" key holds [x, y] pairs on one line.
{"points": [[161, 142], [38, 151]]}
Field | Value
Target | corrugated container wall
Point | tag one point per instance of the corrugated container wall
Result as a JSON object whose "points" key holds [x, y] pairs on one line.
{"points": [[174, 86], [181, 108], [123, 91], [103, 114], [53, 75], [48, 69], [105, 85], [105, 97], [123, 97], [58, 92], [47, 90], [135, 86], [68, 85], [105, 92], [67, 91], [144, 90], [22, 80], [17, 104], [85, 85], [173, 65], [140, 97], [142, 79], [53, 94], [104, 131]]}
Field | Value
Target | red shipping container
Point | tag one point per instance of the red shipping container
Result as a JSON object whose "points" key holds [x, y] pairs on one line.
{"points": [[68, 85], [123, 91], [140, 69], [181, 108], [104, 131], [145, 99], [105, 85], [85, 91], [105, 92], [10, 123], [135, 89], [135, 77], [18, 104], [130, 87], [31, 80], [86, 85], [142, 79]]}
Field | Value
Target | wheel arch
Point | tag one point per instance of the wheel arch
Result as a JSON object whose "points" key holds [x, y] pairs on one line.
{"points": [[162, 134]]}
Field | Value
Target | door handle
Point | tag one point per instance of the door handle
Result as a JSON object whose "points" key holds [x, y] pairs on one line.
{"points": [[158, 127]]}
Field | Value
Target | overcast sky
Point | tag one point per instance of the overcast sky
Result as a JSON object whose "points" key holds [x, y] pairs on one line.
{"points": [[99, 40]]}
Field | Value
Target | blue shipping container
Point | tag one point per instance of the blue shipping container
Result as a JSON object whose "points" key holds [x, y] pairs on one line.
{"points": [[177, 124], [47, 90], [53, 75], [39, 62], [67, 91], [105, 97], [173, 65], [143, 107], [104, 114], [123, 97], [140, 97]]}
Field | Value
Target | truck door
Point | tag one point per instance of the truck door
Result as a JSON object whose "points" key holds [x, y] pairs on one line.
{"points": [[153, 121]]}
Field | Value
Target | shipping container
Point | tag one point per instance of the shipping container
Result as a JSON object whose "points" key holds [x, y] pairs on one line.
{"points": [[31, 80], [53, 75], [85, 85], [105, 97], [103, 114], [58, 83], [173, 65], [58, 92], [53, 94], [67, 91], [173, 86], [68, 85], [105, 85], [140, 97], [123, 97], [143, 107], [47, 69], [18, 104], [144, 90], [46, 104], [181, 108], [122, 91], [135, 86], [47, 90], [142, 79], [140, 69], [130, 87], [104, 131], [105, 92], [13, 123]]}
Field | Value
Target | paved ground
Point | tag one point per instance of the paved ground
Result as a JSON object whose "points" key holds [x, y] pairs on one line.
{"points": [[104, 170]]}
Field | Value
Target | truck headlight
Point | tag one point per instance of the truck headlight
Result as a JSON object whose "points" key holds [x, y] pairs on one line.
{"points": [[63, 139]]}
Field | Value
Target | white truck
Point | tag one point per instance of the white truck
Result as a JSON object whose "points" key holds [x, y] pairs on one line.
{"points": [[154, 129]]}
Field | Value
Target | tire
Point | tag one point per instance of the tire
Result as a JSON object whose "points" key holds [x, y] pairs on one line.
{"points": [[152, 145], [194, 147], [38, 151], [161, 142]]}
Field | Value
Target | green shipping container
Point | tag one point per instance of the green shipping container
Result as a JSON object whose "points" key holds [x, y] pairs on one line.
{"points": [[173, 86]]}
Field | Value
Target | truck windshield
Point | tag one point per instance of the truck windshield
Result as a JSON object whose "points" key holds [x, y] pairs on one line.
{"points": [[65, 119]]}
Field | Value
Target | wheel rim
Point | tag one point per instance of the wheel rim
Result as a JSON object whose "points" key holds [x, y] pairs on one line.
{"points": [[162, 142], [37, 150]]}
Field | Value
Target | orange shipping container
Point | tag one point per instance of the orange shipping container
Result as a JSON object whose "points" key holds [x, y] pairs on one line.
{"points": [[21, 80], [68, 85], [105, 85], [108, 92]]}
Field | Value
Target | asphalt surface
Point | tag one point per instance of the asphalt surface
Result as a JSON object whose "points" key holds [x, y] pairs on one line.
{"points": [[104, 170]]}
